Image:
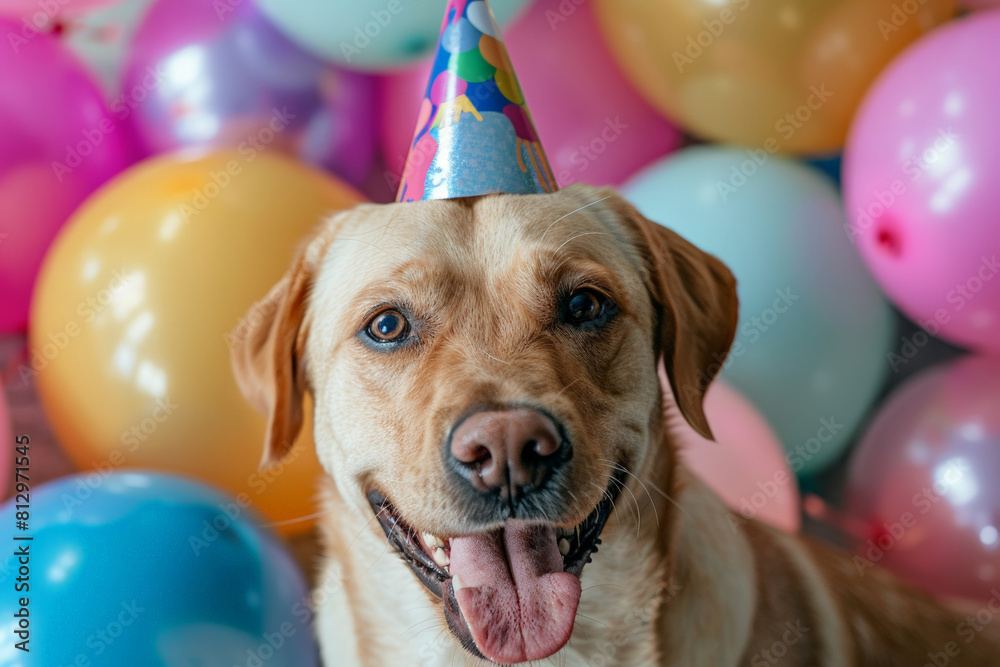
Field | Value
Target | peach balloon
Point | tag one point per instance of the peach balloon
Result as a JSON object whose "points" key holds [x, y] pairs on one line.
{"points": [[746, 464], [783, 76], [134, 310]]}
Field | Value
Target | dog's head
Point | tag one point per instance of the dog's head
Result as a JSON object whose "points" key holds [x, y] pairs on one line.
{"points": [[484, 378]]}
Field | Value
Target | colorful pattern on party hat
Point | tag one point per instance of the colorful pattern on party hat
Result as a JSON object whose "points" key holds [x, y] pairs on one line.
{"points": [[474, 134]]}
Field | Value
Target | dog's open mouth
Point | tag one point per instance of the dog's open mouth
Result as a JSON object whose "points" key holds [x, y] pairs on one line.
{"points": [[509, 595]]}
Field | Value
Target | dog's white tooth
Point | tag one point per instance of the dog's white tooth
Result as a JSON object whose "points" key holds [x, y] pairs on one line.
{"points": [[441, 558], [564, 547], [432, 541], [456, 584]]}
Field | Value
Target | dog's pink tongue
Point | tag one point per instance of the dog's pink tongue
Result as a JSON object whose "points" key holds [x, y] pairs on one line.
{"points": [[517, 600]]}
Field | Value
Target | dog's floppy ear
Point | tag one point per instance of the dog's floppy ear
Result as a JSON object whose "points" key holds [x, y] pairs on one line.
{"points": [[266, 352], [694, 294]]}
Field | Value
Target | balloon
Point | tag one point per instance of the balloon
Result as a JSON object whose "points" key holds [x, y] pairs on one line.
{"points": [[204, 73], [814, 330], [595, 128], [6, 442], [830, 165], [143, 569], [58, 142], [368, 35], [39, 14], [975, 5], [919, 180], [746, 464], [100, 38], [786, 76], [134, 312], [924, 478]]}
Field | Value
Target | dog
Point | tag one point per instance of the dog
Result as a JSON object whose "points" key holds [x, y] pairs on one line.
{"points": [[501, 485]]}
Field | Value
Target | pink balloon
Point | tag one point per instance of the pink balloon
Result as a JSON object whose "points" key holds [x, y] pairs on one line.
{"points": [[746, 464], [924, 480], [920, 171], [57, 144], [39, 13], [974, 5], [595, 127]]}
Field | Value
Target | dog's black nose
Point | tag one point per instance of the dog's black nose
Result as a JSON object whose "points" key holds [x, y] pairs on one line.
{"points": [[510, 451]]}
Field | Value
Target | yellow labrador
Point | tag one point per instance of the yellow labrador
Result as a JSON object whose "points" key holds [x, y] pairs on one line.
{"points": [[502, 488]]}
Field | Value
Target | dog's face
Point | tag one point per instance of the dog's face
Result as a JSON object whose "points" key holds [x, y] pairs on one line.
{"points": [[484, 379]]}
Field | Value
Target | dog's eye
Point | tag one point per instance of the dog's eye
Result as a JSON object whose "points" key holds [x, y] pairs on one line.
{"points": [[389, 326], [587, 307]]}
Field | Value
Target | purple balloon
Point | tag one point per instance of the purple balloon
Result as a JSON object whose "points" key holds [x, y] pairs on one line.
{"points": [[925, 480], [207, 74], [58, 143]]}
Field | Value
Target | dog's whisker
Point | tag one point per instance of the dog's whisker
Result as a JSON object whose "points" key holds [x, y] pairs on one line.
{"points": [[667, 496], [605, 494], [403, 633], [581, 235], [638, 511], [307, 517], [625, 470], [595, 620], [428, 629], [617, 466], [367, 523], [600, 586], [571, 213]]}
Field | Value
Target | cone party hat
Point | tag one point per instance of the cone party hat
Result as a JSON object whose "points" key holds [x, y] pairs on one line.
{"points": [[474, 134]]}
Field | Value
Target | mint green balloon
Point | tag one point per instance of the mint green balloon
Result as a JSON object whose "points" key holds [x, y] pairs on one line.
{"points": [[815, 331], [370, 35]]}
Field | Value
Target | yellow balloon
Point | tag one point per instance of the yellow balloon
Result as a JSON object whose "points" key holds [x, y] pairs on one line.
{"points": [[783, 75], [133, 311]]}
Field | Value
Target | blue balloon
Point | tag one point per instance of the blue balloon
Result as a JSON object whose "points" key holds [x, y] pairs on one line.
{"points": [[374, 35], [814, 332], [132, 569]]}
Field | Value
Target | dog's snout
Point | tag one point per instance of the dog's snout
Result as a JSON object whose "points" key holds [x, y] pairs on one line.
{"points": [[510, 451]]}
